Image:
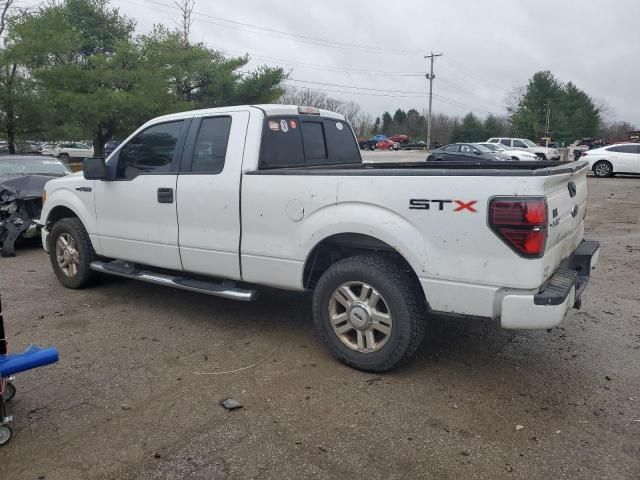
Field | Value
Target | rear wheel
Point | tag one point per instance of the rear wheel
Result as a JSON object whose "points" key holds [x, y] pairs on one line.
{"points": [[370, 311], [64, 157], [71, 253], [603, 169]]}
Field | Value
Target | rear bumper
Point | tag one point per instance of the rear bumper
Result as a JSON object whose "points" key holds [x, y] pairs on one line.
{"points": [[563, 292]]}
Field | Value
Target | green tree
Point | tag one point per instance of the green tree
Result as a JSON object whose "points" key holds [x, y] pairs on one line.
{"points": [[387, 123], [494, 127], [376, 126], [102, 81], [399, 119], [416, 124], [573, 114], [470, 130]]}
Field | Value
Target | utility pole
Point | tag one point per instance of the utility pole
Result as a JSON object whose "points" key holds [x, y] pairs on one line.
{"points": [[546, 125], [430, 76]]}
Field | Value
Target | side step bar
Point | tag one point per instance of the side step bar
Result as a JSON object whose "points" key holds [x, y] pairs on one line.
{"points": [[225, 289]]}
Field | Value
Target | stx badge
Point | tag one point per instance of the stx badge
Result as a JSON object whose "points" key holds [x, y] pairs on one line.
{"points": [[456, 205]]}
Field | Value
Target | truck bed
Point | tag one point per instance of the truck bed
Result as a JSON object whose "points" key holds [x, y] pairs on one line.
{"points": [[503, 168]]}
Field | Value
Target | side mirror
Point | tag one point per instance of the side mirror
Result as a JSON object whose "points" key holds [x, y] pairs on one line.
{"points": [[94, 168]]}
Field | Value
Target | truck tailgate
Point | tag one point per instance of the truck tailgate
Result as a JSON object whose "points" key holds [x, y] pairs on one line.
{"points": [[567, 196]]}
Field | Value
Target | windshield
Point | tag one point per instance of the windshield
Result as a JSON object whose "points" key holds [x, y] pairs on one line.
{"points": [[491, 146], [483, 148], [529, 143], [32, 166]]}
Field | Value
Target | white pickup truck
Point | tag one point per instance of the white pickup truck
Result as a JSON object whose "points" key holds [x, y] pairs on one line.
{"points": [[225, 200]]}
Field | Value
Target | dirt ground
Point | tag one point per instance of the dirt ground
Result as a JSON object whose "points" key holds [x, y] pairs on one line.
{"points": [[124, 401]]}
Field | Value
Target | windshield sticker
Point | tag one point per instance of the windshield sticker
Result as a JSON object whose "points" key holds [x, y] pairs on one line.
{"points": [[339, 126], [284, 126], [273, 125]]}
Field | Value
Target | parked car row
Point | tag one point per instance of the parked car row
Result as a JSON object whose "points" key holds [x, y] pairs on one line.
{"points": [[524, 144]]}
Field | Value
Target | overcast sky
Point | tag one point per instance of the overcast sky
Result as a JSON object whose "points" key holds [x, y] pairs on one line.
{"points": [[489, 46]]}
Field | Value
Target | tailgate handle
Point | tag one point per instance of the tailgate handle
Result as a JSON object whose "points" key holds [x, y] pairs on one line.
{"points": [[572, 189], [165, 195]]}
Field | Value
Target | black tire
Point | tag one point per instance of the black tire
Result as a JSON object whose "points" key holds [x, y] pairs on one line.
{"points": [[86, 254], [402, 293], [603, 169], [64, 158], [542, 156]]}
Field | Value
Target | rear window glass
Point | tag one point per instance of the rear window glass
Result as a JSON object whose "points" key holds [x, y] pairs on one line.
{"points": [[293, 141], [313, 139]]}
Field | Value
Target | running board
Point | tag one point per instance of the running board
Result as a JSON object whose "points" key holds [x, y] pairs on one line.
{"points": [[225, 289]]}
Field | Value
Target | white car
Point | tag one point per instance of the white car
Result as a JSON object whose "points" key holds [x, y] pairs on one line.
{"points": [[543, 153], [68, 151], [619, 158], [224, 201], [514, 154]]}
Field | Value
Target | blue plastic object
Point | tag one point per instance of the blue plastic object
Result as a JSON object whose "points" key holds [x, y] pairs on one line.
{"points": [[32, 357]]}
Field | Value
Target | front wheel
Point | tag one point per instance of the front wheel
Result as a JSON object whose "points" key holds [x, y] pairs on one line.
{"points": [[603, 169], [71, 253], [370, 311]]}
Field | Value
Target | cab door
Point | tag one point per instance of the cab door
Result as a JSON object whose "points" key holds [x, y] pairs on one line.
{"points": [[209, 186], [136, 209]]}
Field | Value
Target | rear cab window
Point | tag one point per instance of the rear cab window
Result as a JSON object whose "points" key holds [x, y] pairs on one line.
{"points": [[306, 140]]}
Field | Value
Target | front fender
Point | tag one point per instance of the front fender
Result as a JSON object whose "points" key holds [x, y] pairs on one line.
{"points": [[65, 198]]}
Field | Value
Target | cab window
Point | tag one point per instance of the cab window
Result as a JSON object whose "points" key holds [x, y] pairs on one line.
{"points": [[211, 146], [151, 151]]}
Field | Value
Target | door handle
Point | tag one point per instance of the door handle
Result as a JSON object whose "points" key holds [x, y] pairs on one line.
{"points": [[165, 195]]}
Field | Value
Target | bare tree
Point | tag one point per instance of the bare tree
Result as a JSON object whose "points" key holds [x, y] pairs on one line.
{"points": [[617, 131], [359, 121], [512, 100], [3, 15], [185, 21]]}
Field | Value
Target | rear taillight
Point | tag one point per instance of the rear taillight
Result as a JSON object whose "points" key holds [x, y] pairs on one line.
{"points": [[521, 223]]}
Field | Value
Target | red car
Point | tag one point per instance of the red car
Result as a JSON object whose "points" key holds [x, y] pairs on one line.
{"points": [[400, 138], [387, 145]]}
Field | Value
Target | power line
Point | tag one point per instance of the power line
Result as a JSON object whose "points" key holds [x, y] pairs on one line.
{"points": [[328, 68], [259, 30], [356, 87], [367, 94], [375, 92], [474, 76]]}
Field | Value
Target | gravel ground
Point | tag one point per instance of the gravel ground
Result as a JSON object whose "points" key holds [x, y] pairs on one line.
{"points": [[124, 401]]}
